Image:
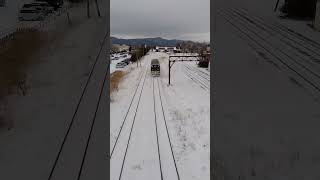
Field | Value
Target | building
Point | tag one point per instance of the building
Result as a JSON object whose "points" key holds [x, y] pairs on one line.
{"points": [[119, 48], [167, 49]]}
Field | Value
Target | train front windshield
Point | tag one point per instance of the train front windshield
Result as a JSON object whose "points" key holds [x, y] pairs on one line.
{"points": [[155, 68]]}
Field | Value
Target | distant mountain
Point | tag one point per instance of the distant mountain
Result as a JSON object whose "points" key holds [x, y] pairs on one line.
{"points": [[158, 41]]}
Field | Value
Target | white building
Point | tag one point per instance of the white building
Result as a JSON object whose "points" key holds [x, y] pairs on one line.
{"points": [[167, 48]]}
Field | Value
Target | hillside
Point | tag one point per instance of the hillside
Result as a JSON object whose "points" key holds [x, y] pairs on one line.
{"points": [[158, 41]]}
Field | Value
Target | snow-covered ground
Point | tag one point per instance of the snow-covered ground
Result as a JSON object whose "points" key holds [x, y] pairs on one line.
{"points": [[148, 118], [41, 118], [266, 116]]}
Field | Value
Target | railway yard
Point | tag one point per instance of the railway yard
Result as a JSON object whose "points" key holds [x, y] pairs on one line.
{"points": [[266, 95], [59, 127], [265, 104], [160, 131]]}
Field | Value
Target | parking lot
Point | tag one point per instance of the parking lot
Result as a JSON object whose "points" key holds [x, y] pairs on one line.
{"points": [[119, 61], [38, 10], [19, 15]]}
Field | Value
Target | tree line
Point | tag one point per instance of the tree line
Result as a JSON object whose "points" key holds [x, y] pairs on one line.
{"points": [[138, 52]]}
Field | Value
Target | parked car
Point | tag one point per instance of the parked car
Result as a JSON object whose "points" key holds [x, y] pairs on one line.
{"points": [[121, 65], [31, 14], [54, 3], [127, 61], [46, 7]]}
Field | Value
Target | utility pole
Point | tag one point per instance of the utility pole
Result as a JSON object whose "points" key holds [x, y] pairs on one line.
{"points": [[97, 7], [140, 54], [276, 7], [317, 16], [68, 17], [88, 8], [136, 56]]}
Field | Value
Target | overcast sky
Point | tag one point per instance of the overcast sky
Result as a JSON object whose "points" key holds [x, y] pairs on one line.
{"points": [[171, 19]]}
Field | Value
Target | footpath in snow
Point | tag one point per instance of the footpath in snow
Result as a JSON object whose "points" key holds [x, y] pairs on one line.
{"points": [[160, 131]]}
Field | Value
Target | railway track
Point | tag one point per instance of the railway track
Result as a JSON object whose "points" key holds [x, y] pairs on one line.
{"points": [[285, 31], [305, 50], [203, 83], [156, 126], [131, 127], [305, 73], [205, 72], [127, 112], [124, 148], [161, 121], [292, 55], [80, 128], [203, 75], [288, 36]]}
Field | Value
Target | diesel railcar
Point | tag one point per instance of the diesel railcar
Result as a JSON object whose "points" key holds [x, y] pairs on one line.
{"points": [[155, 67]]}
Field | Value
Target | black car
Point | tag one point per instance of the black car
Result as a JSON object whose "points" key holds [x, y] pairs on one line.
{"points": [[54, 3]]}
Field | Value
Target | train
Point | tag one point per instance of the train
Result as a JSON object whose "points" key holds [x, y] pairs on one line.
{"points": [[155, 67]]}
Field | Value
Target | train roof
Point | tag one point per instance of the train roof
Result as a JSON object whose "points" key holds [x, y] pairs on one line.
{"points": [[154, 61]]}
